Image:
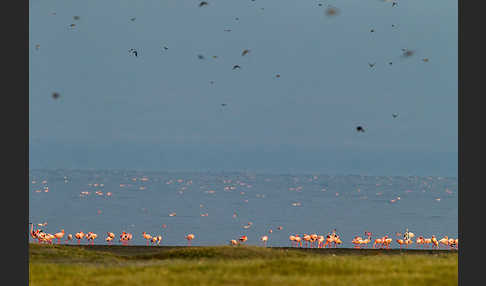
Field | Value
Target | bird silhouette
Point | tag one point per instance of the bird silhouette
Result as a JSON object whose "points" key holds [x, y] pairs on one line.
{"points": [[223, 104], [236, 67], [201, 57], [246, 51], [371, 64], [395, 115], [55, 95], [360, 129], [76, 17], [372, 31], [165, 48], [134, 52], [277, 75], [425, 59], [203, 3], [132, 19]]}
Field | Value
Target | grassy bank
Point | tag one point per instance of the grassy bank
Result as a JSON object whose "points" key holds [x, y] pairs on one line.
{"points": [[225, 265]]}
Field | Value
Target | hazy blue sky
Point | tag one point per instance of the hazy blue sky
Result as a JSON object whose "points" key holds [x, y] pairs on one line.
{"points": [[159, 110]]}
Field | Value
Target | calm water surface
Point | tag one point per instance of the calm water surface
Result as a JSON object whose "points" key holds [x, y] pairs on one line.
{"points": [[136, 201]]}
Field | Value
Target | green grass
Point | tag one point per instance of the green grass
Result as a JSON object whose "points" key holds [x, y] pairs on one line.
{"points": [[246, 265]]}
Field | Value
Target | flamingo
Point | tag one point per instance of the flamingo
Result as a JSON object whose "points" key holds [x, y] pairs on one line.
{"points": [[233, 242], [366, 240], [189, 237], [147, 237], [434, 241], [307, 239], [313, 239], [420, 240], [401, 242], [298, 241], [264, 239], [292, 240], [337, 241], [320, 241], [69, 237], [153, 240], [79, 236], [357, 241], [427, 242], [243, 238], [110, 234], [444, 241], [159, 239], [407, 242], [59, 236], [109, 239], [388, 241], [378, 241]]}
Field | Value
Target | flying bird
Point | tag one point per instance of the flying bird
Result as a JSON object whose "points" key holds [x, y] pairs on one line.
{"points": [[236, 67], [134, 52], [201, 57], [203, 3], [76, 17], [331, 11], [55, 95], [390, 63], [360, 129], [425, 60], [395, 115], [37, 47], [371, 64], [372, 30], [223, 104], [227, 30], [277, 75], [246, 51], [72, 25], [132, 19], [407, 53]]}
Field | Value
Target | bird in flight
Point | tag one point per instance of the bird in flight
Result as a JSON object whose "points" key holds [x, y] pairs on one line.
{"points": [[246, 51], [372, 30], [371, 64], [407, 53], [277, 75], [132, 19], [236, 67], [76, 17], [425, 60], [55, 95], [395, 115], [134, 52], [223, 104], [360, 129], [331, 11], [201, 57], [227, 30], [165, 48], [203, 3], [390, 63]]}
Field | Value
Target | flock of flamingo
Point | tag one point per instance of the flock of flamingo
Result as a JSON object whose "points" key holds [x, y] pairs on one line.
{"points": [[306, 240]]}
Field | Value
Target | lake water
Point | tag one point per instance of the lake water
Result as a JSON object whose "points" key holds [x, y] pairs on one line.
{"points": [[136, 201]]}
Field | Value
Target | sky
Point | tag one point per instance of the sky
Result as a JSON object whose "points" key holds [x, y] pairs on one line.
{"points": [[159, 111]]}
